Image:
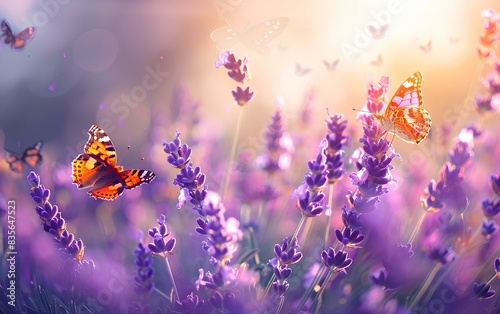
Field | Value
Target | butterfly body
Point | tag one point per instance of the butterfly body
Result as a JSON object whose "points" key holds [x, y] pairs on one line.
{"points": [[30, 157], [404, 115], [16, 41], [96, 168]]}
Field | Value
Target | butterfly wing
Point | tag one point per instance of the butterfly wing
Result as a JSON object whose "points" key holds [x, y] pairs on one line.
{"points": [[98, 160], [127, 179], [331, 66], [409, 94], [100, 145], [409, 120], [225, 38], [7, 35], [413, 125], [23, 37], [32, 156], [14, 161], [257, 37]]}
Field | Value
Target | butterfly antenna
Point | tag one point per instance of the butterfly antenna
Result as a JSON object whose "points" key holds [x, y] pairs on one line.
{"points": [[361, 110]]}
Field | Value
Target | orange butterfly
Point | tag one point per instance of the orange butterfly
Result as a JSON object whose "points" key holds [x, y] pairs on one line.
{"points": [[97, 168], [404, 116], [31, 157], [16, 41]]}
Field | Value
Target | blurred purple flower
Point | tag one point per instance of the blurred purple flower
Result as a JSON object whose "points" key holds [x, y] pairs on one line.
{"points": [[488, 227], [242, 96], [143, 278], [444, 256], [448, 191], [192, 304], [279, 145], [482, 290], [497, 266]]}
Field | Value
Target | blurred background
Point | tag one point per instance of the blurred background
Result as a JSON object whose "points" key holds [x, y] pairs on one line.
{"points": [[143, 69], [87, 55]]}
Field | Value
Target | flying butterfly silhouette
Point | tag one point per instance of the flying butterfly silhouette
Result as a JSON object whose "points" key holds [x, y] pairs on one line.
{"points": [[404, 115], [378, 33], [454, 40], [331, 66], [427, 48], [16, 41], [30, 157], [256, 38], [301, 71], [96, 168]]}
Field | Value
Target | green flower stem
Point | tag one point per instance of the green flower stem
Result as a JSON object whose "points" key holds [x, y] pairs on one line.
{"points": [[169, 271]]}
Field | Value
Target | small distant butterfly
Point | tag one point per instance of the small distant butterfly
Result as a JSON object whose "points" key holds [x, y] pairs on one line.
{"points": [[378, 61], [404, 116], [16, 41], [301, 71], [378, 33], [256, 38], [331, 66], [282, 48], [454, 40], [427, 48], [30, 157], [96, 168]]}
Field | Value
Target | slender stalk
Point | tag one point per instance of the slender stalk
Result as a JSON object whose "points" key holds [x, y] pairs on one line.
{"points": [[311, 287], [417, 227], [426, 285], [169, 271], [329, 219], [253, 245], [323, 287], [229, 168]]}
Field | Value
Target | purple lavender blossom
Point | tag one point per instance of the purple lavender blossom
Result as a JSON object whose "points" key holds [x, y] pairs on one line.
{"points": [[160, 246], [238, 71], [336, 261], [286, 253], [309, 196], [52, 221], [350, 238], [192, 304], [178, 156], [336, 141], [374, 169], [482, 290]]}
